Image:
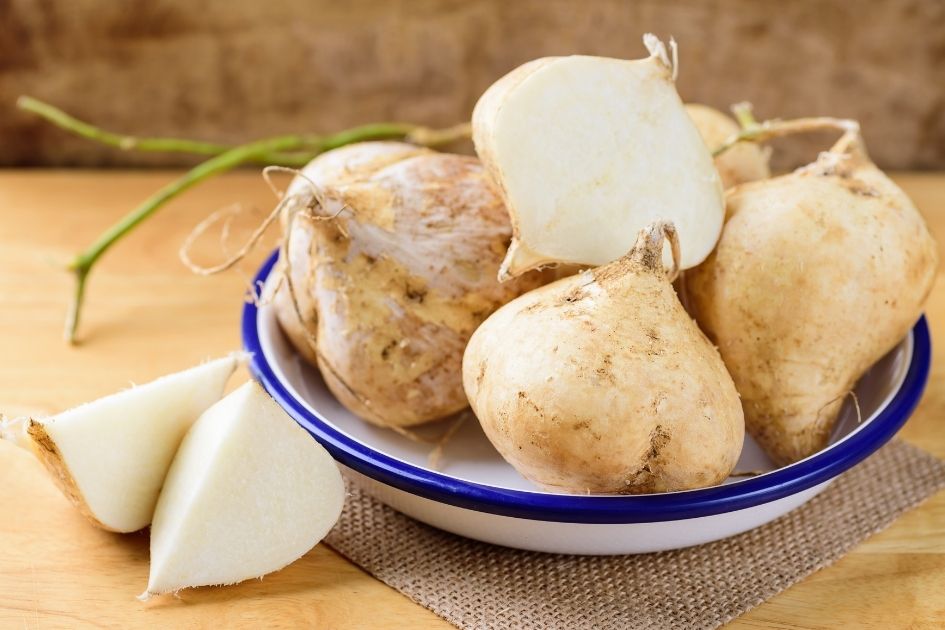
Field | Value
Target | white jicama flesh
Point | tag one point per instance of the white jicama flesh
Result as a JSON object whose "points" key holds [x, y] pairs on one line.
{"points": [[248, 493], [110, 456], [589, 150]]}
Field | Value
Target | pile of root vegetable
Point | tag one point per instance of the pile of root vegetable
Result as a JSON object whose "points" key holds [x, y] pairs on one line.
{"points": [[695, 297], [616, 285]]}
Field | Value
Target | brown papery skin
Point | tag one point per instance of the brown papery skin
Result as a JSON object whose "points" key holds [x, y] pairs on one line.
{"points": [[391, 288], [48, 453], [817, 275], [601, 383]]}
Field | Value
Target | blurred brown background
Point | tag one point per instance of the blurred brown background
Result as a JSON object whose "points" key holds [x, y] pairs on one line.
{"points": [[232, 70]]}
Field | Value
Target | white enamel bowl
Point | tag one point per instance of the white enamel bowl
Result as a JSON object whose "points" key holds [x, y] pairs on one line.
{"points": [[475, 493]]}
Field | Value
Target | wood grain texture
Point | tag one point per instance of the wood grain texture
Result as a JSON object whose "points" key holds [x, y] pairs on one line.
{"points": [[148, 316], [233, 70]]}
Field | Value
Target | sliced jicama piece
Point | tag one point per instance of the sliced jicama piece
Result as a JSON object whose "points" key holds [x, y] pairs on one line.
{"points": [[248, 493], [110, 456], [589, 150]]}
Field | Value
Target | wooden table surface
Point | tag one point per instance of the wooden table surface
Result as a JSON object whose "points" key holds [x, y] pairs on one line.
{"points": [[146, 315]]}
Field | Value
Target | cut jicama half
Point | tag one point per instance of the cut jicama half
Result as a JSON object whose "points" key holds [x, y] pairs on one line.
{"points": [[587, 151], [248, 493], [110, 456]]}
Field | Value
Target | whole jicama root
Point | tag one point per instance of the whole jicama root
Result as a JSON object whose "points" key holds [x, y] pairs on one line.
{"points": [[392, 264], [744, 162], [817, 275], [601, 382]]}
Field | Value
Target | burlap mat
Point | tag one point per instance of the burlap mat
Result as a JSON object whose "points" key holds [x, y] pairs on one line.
{"points": [[476, 585]]}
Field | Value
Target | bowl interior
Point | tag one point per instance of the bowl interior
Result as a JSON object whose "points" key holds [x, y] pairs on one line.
{"points": [[468, 455]]}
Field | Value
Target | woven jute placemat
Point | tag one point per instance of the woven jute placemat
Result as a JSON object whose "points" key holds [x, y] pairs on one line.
{"points": [[477, 585]]}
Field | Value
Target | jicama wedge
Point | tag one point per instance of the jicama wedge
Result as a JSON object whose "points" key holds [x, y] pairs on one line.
{"points": [[248, 493], [110, 456], [589, 150]]}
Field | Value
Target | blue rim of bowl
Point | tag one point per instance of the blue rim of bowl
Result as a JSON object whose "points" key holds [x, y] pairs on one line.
{"points": [[435, 486]]}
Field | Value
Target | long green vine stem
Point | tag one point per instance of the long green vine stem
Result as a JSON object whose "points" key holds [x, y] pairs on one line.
{"points": [[289, 150], [753, 131], [126, 142], [82, 264]]}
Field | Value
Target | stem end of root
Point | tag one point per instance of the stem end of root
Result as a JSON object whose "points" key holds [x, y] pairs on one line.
{"points": [[744, 114], [428, 137]]}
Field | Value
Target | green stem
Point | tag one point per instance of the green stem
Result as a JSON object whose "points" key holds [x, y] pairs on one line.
{"points": [[759, 132], [85, 260], [134, 143], [745, 115], [412, 133], [293, 150]]}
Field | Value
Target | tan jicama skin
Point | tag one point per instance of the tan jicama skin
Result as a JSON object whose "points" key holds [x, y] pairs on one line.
{"points": [[745, 162], [31, 435], [817, 275], [602, 383], [391, 273], [296, 310]]}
